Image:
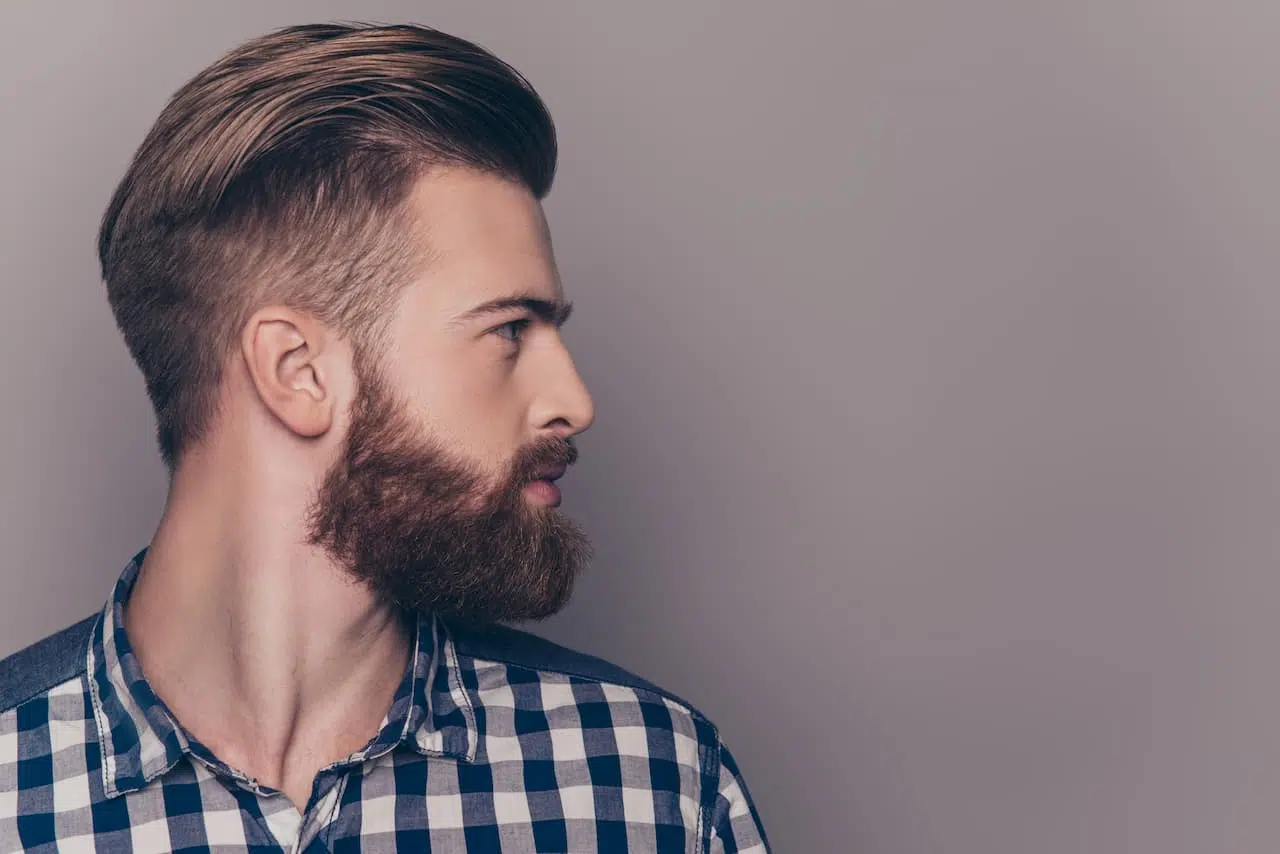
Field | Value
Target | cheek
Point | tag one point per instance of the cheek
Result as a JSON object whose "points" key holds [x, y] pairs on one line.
{"points": [[462, 392], [476, 417]]}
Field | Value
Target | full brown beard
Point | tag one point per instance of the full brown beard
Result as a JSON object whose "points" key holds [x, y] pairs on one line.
{"points": [[427, 531]]}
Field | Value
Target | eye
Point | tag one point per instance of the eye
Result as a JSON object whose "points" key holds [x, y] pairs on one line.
{"points": [[518, 325]]}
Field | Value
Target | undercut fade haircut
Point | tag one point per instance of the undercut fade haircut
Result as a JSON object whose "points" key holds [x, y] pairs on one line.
{"points": [[280, 174]]}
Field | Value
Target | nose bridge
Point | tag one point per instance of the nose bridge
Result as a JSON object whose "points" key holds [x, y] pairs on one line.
{"points": [[560, 393]]}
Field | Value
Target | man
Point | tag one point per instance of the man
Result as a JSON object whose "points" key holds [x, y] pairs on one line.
{"points": [[330, 262]]}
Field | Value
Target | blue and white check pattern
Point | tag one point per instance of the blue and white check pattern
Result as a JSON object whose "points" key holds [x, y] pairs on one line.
{"points": [[495, 741]]}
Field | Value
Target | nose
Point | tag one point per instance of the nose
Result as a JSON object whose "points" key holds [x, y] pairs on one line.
{"points": [[564, 405]]}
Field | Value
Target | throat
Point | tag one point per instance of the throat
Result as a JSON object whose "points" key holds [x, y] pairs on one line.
{"points": [[274, 693]]}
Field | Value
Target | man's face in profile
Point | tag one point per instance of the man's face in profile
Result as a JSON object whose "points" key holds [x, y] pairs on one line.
{"points": [[430, 499]]}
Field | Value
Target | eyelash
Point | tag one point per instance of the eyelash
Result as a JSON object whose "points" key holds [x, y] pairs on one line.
{"points": [[521, 323]]}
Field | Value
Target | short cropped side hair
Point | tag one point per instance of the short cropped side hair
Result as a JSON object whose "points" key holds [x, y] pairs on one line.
{"points": [[280, 174]]}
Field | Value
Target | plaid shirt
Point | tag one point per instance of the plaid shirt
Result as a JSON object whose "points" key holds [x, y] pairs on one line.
{"points": [[496, 741]]}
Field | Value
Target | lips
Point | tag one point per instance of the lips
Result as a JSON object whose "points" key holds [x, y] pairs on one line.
{"points": [[551, 475]]}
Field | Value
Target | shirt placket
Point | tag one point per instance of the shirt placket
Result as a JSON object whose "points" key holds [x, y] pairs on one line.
{"points": [[322, 810]]}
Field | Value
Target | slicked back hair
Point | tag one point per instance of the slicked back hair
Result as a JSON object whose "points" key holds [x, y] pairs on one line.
{"points": [[280, 174]]}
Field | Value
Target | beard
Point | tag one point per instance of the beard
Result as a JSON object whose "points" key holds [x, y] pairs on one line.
{"points": [[428, 531]]}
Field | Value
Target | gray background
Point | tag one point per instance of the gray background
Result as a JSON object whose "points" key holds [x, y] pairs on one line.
{"points": [[933, 350]]}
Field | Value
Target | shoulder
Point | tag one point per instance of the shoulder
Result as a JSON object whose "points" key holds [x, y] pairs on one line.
{"points": [[522, 649], [45, 664]]}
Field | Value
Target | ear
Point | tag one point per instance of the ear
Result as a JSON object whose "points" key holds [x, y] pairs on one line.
{"points": [[290, 357]]}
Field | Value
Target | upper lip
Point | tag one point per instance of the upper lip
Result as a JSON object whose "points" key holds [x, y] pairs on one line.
{"points": [[552, 474]]}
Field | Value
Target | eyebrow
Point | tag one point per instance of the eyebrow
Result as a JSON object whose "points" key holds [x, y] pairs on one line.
{"points": [[551, 311]]}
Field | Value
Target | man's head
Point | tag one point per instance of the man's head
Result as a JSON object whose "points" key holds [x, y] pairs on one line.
{"points": [[321, 212]]}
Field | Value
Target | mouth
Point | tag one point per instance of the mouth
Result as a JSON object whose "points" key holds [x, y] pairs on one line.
{"points": [[550, 475], [545, 491]]}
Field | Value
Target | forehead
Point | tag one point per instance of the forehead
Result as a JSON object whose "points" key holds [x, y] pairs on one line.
{"points": [[485, 237]]}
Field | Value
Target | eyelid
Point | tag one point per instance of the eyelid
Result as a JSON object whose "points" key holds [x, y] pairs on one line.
{"points": [[532, 317], [525, 321]]}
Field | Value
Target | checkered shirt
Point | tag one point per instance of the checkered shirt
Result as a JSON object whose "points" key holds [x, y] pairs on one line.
{"points": [[496, 741]]}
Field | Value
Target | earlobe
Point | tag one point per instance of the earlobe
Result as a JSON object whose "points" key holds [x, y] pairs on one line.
{"points": [[283, 352]]}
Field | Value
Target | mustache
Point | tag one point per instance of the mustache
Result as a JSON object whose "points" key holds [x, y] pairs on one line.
{"points": [[549, 454]]}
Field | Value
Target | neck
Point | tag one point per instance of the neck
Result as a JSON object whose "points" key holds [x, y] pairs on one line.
{"points": [[264, 649]]}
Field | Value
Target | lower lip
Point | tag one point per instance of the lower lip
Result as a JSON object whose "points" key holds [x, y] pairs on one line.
{"points": [[545, 490]]}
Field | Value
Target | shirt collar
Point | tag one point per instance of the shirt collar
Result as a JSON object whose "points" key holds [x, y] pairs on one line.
{"points": [[432, 711]]}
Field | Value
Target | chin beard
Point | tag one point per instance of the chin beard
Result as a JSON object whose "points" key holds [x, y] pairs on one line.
{"points": [[427, 532]]}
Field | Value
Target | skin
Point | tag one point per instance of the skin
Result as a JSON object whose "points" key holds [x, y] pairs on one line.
{"points": [[265, 644]]}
